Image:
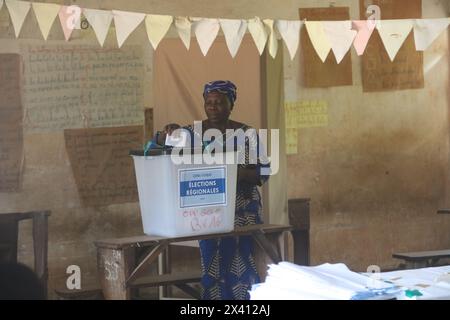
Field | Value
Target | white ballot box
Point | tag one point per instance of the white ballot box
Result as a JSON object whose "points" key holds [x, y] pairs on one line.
{"points": [[185, 199]]}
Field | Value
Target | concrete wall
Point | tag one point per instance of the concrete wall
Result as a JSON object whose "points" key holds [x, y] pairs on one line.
{"points": [[376, 175]]}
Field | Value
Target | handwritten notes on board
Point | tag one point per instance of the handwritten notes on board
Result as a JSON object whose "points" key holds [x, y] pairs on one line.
{"points": [[11, 136], [101, 165], [82, 86], [406, 71]]}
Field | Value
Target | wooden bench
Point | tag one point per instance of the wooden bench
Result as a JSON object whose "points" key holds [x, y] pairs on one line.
{"points": [[9, 233], [422, 259]]}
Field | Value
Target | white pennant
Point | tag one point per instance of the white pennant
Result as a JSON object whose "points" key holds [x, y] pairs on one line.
{"points": [[126, 22], [70, 18], [45, 15], [183, 25], [393, 33], [273, 42], [290, 32], [206, 31], [234, 31], [318, 38], [157, 27], [100, 20], [259, 33], [427, 31], [18, 10], [341, 36]]}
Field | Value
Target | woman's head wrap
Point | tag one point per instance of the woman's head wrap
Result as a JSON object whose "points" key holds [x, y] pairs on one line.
{"points": [[223, 86]]}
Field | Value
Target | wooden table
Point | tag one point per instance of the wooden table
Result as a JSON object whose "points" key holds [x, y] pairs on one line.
{"points": [[119, 272], [9, 231], [422, 259]]}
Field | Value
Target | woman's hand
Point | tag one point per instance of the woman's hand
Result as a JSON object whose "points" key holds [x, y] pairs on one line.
{"points": [[168, 129]]}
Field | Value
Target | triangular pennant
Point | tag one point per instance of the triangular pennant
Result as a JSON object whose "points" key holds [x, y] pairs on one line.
{"points": [[364, 29], [70, 18], [318, 38], [272, 42], [45, 15], [18, 11], [290, 32], [234, 31], [426, 31], [341, 36], [100, 20], [183, 25], [206, 31], [157, 27], [126, 22], [258, 32], [393, 33]]}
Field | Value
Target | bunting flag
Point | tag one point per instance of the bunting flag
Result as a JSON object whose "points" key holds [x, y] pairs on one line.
{"points": [[318, 38], [341, 36], [273, 41], [427, 31], [183, 25], [234, 31], [45, 15], [157, 27], [70, 18], [290, 32], [206, 31], [126, 22], [393, 33], [100, 20], [258, 32], [18, 11], [364, 29]]}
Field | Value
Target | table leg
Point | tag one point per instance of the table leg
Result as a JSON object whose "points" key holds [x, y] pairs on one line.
{"points": [[40, 246], [114, 267]]}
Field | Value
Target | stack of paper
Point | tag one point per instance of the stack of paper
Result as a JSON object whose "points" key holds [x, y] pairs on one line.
{"points": [[287, 281]]}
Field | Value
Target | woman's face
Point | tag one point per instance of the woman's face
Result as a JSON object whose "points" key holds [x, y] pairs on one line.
{"points": [[217, 107]]}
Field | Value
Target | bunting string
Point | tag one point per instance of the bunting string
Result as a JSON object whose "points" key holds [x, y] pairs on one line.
{"points": [[335, 36]]}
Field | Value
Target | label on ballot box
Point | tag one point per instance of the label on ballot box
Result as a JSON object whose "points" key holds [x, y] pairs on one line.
{"points": [[202, 187]]}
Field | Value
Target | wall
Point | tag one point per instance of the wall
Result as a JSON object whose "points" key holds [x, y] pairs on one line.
{"points": [[376, 175]]}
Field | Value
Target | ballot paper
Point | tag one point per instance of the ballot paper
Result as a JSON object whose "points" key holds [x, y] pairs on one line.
{"points": [[287, 281], [177, 139]]}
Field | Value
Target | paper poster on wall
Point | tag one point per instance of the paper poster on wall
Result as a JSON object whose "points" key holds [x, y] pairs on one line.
{"points": [[82, 86], [379, 73], [291, 141], [306, 114], [11, 135], [315, 73], [101, 165]]}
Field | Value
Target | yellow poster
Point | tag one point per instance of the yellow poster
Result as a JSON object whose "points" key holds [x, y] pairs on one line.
{"points": [[291, 141]]}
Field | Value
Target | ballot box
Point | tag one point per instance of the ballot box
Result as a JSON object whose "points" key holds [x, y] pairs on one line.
{"points": [[184, 199]]}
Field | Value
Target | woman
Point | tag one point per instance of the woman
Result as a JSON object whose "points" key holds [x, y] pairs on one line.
{"points": [[228, 266]]}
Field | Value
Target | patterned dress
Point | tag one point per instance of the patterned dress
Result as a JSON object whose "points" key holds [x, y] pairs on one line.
{"points": [[228, 267]]}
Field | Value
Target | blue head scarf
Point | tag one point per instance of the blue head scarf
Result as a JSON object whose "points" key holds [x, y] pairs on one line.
{"points": [[223, 86]]}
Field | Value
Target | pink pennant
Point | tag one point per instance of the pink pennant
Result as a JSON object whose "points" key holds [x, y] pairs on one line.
{"points": [[365, 29], [69, 16]]}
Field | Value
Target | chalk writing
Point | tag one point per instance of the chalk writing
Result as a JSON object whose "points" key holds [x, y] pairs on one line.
{"points": [[82, 86], [11, 136]]}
